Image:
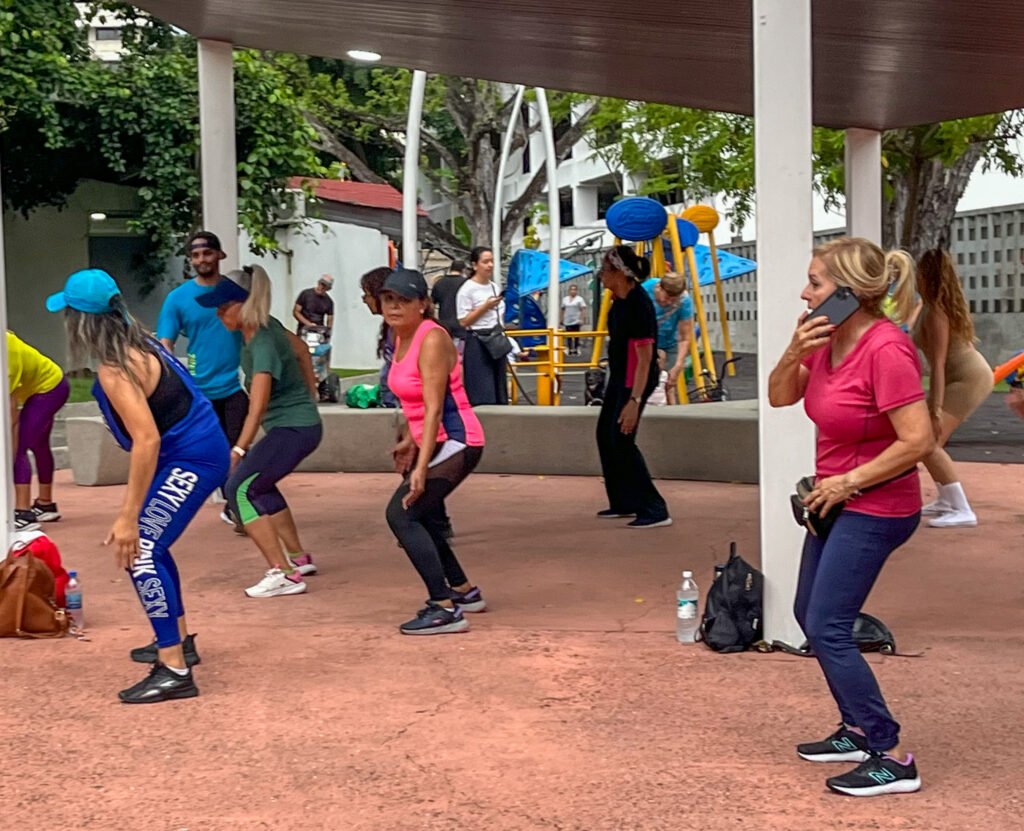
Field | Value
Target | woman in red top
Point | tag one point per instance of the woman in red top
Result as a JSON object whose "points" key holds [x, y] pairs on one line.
{"points": [[443, 444], [860, 381]]}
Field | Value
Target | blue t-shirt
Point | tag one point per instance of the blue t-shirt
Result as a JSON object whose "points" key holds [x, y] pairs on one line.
{"points": [[669, 317], [212, 350]]}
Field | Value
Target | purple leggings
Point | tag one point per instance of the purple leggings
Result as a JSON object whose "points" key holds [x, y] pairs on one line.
{"points": [[34, 426]]}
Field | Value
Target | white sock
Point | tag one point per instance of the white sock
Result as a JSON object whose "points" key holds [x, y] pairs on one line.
{"points": [[953, 494], [179, 672]]}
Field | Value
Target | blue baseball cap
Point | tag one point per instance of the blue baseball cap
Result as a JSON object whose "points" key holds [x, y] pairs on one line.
{"points": [[89, 290], [233, 288]]}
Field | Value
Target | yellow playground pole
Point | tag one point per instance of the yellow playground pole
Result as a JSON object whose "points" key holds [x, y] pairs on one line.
{"points": [[706, 219], [678, 258]]}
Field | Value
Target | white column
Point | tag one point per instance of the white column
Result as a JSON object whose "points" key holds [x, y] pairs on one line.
{"points": [[218, 164], [782, 134], [499, 187], [411, 173], [864, 184], [554, 214], [6, 451]]}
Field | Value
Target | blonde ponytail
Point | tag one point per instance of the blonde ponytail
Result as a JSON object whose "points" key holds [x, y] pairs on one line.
{"points": [[255, 311], [899, 266]]}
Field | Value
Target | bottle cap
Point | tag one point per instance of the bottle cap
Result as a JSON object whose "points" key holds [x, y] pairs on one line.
{"points": [[687, 574], [72, 574]]}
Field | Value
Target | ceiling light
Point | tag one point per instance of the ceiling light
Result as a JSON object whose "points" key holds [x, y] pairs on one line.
{"points": [[363, 55], [97, 216]]}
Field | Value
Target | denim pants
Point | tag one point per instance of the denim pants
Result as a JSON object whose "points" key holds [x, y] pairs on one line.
{"points": [[835, 579]]}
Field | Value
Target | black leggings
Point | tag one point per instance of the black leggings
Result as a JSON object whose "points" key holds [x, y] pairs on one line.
{"points": [[420, 527]]}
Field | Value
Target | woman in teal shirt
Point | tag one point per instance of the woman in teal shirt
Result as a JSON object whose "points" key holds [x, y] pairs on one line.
{"points": [[674, 310], [282, 394]]}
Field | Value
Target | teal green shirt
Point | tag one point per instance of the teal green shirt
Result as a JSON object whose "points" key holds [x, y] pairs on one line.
{"points": [[290, 403]]}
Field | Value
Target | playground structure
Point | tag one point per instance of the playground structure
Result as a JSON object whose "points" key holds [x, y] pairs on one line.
{"points": [[668, 240]]}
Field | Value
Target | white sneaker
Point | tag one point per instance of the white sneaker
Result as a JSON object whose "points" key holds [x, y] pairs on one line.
{"points": [[955, 519], [939, 506], [275, 582]]}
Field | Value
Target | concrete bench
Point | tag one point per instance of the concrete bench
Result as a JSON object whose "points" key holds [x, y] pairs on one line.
{"points": [[708, 442]]}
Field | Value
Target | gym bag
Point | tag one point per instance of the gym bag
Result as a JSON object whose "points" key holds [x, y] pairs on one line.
{"points": [[27, 609], [869, 633], [732, 620]]}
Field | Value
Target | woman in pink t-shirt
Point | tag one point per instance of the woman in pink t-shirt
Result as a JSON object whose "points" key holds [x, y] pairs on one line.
{"points": [[860, 381], [442, 445]]}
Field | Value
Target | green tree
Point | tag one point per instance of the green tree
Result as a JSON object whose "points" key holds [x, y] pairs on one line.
{"points": [[689, 155]]}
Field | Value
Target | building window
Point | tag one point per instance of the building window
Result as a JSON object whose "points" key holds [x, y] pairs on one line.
{"points": [[997, 306], [1021, 305], [970, 233], [984, 232], [1009, 229], [984, 256], [107, 33], [997, 230], [960, 233], [960, 259], [972, 307], [997, 255], [1022, 281], [607, 193], [984, 281], [997, 281], [565, 207], [984, 306], [973, 282], [1009, 255]]}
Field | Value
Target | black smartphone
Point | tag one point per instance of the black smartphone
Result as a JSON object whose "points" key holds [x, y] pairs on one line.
{"points": [[501, 294], [837, 307]]}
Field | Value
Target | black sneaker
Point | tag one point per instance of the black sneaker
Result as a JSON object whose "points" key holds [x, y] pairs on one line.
{"points": [[471, 601], [148, 654], [435, 620], [25, 521], [611, 513], [45, 511], [842, 746], [650, 522], [878, 775], [162, 684]]}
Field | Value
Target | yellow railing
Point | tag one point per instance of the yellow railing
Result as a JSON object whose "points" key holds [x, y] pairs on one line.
{"points": [[547, 363]]}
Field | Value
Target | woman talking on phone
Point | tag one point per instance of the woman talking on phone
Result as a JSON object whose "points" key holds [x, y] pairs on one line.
{"points": [[860, 380]]}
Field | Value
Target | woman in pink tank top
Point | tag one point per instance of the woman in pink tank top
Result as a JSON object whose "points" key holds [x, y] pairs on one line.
{"points": [[442, 444]]}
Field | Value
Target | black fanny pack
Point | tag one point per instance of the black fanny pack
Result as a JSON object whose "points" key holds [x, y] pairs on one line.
{"points": [[821, 524], [495, 341]]}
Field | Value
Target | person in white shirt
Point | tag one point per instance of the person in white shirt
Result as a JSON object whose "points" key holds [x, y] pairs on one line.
{"points": [[480, 307], [574, 317]]}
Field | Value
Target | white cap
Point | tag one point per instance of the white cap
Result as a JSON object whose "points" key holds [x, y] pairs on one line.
{"points": [[687, 574]]}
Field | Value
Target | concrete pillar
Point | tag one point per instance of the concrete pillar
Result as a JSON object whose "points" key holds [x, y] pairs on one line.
{"points": [[782, 135], [218, 162], [411, 172], [864, 184], [6, 451]]}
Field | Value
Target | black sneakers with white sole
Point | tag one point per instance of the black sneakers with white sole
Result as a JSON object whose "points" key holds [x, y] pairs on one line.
{"points": [[877, 776], [842, 746]]}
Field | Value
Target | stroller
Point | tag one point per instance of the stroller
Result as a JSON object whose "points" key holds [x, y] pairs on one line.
{"points": [[328, 384]]}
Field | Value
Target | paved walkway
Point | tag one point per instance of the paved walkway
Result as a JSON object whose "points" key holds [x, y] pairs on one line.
{"points": [[568, 706]]}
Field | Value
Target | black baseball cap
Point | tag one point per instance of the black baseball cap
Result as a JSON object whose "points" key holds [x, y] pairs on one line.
{"points": [[407, 283], [204, 239]]}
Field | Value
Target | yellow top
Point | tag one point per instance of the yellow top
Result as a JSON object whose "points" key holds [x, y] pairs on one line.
{"points": [[29, 371]]}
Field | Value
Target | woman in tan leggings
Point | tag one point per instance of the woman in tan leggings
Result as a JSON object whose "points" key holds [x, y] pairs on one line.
{"points": [[960, 378]]}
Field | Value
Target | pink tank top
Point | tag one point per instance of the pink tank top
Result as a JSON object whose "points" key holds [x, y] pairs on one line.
{"points": [[458, 421]]}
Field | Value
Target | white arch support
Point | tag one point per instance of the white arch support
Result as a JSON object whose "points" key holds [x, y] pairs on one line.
{"points": [[410, 175], [554, 217], [499, 202]]}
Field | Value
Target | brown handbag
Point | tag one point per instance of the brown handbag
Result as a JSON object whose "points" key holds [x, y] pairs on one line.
{"points": [[27, 608]]}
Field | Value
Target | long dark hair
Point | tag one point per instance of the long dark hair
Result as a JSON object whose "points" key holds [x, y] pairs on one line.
{"points": [[940, 287], [372, 282], [112, 338]]}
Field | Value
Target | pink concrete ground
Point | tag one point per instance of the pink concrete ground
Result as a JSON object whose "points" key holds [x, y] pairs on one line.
{"points": [[568, 706]]}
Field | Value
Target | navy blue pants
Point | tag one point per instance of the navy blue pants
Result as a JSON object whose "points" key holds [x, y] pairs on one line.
{"points": [[252, 490], [835, 579], [179, 489]]}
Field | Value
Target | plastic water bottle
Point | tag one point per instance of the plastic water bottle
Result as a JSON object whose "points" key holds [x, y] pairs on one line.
{"points": [[687, 621], [73, 600]]}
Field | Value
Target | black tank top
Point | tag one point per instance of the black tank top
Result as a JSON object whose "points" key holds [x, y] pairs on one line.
{"points": [[169, 403]]}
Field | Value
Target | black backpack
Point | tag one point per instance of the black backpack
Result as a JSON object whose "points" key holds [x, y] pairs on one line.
{"points": [[869, 633], [732, 620]]}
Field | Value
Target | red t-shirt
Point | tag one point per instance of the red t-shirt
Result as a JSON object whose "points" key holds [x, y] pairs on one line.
{"points": [[848, 404]]}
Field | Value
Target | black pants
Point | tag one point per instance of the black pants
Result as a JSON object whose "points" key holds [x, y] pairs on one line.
{"points": [[231, 413], [420, 527], [572, 343], [483, 377], [626, 479]]}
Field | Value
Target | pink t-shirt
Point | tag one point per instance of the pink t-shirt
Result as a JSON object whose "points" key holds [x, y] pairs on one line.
{"points": [[848, 404], [458, 421]]}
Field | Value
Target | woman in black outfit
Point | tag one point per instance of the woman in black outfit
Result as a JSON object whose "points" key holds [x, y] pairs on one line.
{"points": [[633, 375], [479, 308]]}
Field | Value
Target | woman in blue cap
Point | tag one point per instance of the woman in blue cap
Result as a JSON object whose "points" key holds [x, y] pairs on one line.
{"points": [[178, 457], [282, 400]]}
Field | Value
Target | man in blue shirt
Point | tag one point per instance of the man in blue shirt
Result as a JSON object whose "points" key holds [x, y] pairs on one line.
{"points": [[674, 310], [212, 350]]}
